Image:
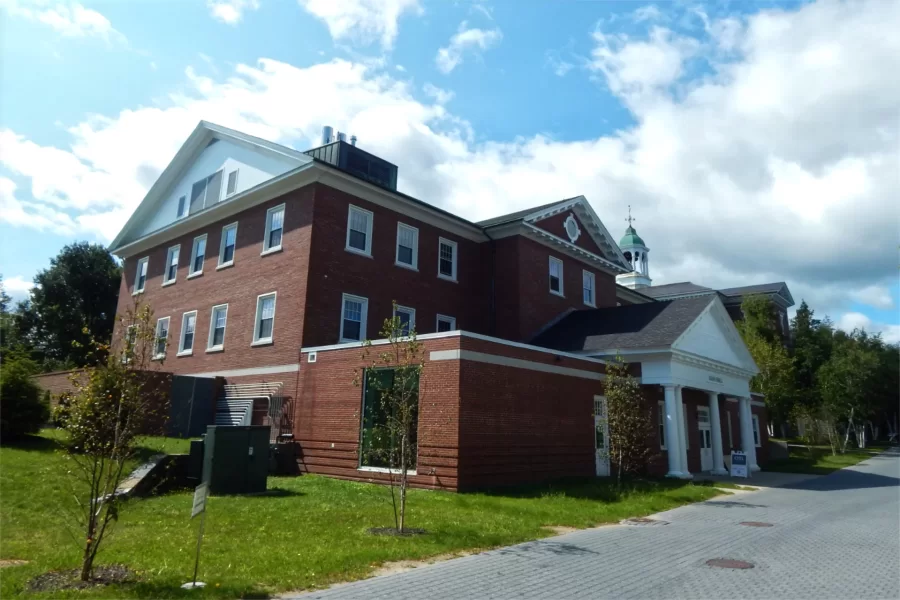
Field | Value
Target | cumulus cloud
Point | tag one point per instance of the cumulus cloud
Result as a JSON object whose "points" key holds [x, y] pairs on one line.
{"points": [[32, 215], [876, 296], [778, 163], [17, 287], [855, 320], [362, 21], [230, 11], [69, 19], [465, 41]]}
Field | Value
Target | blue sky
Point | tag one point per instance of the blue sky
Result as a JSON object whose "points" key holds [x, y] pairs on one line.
{"points": [[751, 138]]}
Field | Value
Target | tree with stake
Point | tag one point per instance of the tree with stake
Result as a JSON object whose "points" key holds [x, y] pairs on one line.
{"points": [[629, 418], [391, 382], [114, 402]]}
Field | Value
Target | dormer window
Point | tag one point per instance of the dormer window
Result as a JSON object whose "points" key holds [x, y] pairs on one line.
{"points": [[231, 187], [206, 192]]}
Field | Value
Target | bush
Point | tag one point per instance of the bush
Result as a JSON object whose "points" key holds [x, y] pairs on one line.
{"points": [[59, 415], [22, 410]]}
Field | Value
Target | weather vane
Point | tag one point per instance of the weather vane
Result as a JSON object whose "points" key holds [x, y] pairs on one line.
{"points": [[630, 218]]}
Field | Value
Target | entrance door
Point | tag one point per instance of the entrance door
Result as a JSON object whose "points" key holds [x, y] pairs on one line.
{"points": [[601, 437], [706, 457]]}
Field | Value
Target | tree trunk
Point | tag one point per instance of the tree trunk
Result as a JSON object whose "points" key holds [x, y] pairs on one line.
{"points": [[403, 483], [849, 427]]}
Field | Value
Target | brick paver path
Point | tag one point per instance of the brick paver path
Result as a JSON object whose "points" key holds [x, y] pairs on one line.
{"points": [[833, 537]]}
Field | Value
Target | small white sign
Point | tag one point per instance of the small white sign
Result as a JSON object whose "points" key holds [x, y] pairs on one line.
{"points": [[739, 464], [200, 494]]}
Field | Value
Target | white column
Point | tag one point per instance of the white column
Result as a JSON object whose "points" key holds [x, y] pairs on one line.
{"points": [[715, 426], [682, 430], [747, 444], [673, 437]]}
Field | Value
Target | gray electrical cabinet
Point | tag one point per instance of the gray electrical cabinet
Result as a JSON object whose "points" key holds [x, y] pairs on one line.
{"points": [[236, 459]]}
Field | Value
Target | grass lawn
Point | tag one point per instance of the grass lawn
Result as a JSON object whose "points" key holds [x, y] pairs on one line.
{"points": [[308, 531], [818, 460]]}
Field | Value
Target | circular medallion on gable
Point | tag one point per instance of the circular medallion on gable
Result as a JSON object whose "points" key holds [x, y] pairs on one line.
{"points": [[572, 228]]}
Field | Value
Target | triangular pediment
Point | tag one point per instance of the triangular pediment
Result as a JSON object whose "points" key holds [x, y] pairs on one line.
{"points": [[713, 336]]}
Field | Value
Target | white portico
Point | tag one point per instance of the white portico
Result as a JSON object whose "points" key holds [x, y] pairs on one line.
{"points": [[681, 345]]}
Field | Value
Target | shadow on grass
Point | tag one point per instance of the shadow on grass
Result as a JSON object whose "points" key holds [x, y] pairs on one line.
{"points": [[32, 443], [149, 589], [588, 488]]}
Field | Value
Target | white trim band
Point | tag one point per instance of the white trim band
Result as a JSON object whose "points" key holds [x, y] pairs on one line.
{"points": [[516, 363], [251, 371]]}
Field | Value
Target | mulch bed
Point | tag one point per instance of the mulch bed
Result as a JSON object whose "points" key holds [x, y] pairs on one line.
{"points": [[407, 531], [69, 580]]}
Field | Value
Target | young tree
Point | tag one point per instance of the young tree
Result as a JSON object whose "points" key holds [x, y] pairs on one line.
{"points": [[392, 381], [114, 402], [776, 378], [77, 294], [629, 419]]}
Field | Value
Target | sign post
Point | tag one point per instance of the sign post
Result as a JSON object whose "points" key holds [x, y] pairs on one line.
{"points": [[739, 464], [201, 492]]}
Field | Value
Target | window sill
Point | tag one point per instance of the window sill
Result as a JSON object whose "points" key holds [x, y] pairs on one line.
{"points": [[406, 266], [266, 342], [353, 250], [168, 283], [560, 294], [197, 274], [346, 341], [384, 470], [448, 278], [185, 353], [225, 266], [158, 357], [591, 305], [215, 349], [137, 293], [270, 251]]}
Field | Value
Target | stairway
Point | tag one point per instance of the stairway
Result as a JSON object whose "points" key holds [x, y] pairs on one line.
{"points": [[234, 411]]}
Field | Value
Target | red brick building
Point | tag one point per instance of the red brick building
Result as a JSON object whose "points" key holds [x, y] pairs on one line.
{"points": [[268, 267]]}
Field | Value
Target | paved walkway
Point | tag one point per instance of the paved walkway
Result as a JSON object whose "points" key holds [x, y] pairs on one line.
{"points": [[834, 537]]}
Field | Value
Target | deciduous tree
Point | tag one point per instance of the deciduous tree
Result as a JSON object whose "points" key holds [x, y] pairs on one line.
{"points": [[629, 419]]}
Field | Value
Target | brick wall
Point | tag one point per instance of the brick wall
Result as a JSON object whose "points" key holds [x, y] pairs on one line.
{"points": [[58, 382]]}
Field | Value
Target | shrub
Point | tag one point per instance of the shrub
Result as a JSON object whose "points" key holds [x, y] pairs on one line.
{"points": [[22, 410]]}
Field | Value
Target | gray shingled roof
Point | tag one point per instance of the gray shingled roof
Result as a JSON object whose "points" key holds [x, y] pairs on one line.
{"points": [[633, 327], [521, 214], [763, 288], [675, 289]]}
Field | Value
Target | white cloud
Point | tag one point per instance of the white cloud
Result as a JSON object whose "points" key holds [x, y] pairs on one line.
{"points": [[230, 11], [877, 296], [778, 164], [466, 40], [69, 19], [439, 95], [854, 320], [17, 287], [32, 215], [362, 21]]}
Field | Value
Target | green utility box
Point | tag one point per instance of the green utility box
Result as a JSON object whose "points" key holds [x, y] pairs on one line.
{"points": [[236, 459]]}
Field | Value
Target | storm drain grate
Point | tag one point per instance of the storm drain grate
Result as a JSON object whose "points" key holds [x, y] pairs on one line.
{"points": [[643, 521], [756, 524], [728, 563]]}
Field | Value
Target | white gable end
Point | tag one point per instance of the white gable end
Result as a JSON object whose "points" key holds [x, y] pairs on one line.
{"points": [[713, 336], [253, 167]]}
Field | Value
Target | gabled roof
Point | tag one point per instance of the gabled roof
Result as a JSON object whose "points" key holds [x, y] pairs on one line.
{"points": [[199, 139], [778, 287], [578, 204], [633, 327], [676, 289]]}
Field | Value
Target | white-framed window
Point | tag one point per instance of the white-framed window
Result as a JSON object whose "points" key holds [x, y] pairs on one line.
{"points": [[231, 186], [227, 245], [198, 255], [264, 327], [140, 277], [274, 229], [359, 230], [445, 323], [556, 276], [589, 288], [354, 310], [182, 206], [756, 437], [172, 264], [447, 259], [206, 192], [407, 317], [188, 327], [217, 327], [162, 337], [407, 246], [662, 426]]}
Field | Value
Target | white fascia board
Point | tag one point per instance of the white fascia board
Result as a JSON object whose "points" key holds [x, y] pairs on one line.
{"points": [[708, 363], [548, 239], [603, 230], [257, 142], [732, 336], [267, 190], [345, 182]]}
